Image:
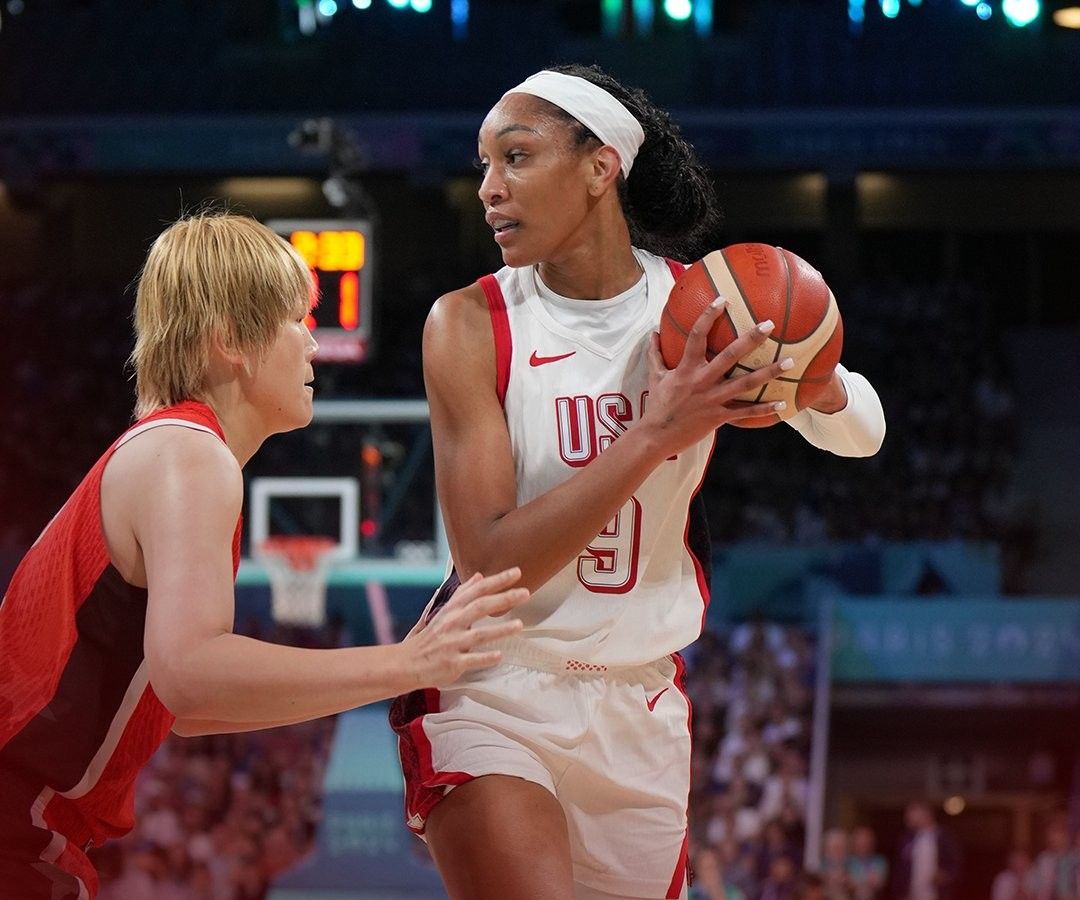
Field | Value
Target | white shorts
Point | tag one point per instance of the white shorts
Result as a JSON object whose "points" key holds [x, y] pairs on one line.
{"points": [[613, 746]]}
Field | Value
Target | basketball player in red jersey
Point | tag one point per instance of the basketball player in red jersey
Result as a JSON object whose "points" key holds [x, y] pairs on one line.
{"points": [[564, 771], [117, 625]]}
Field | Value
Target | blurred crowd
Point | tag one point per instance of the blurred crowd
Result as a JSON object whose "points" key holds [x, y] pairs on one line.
{"points": [[934, 355], [1051, 872], [65, 400], [217, 818], [752, 693]]}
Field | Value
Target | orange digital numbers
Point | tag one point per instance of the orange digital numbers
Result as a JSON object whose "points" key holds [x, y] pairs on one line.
{"points": [[307, 245], [349, 301], [330, 251]]}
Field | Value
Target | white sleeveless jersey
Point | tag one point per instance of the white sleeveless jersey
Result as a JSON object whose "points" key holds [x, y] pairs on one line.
{"points": [[639, 590]]}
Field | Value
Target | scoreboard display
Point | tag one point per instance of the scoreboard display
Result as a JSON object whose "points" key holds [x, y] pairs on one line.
{"points": [[339, 253]]}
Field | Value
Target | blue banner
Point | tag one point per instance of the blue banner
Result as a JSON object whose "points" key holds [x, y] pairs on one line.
{"points": [[973, 640]]}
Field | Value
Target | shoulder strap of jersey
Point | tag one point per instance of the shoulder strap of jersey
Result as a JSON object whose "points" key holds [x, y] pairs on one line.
{"points": [[500, 329], [136, 430]]}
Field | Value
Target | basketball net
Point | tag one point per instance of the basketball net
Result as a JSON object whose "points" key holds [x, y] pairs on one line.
{"points": [[298, 566]]}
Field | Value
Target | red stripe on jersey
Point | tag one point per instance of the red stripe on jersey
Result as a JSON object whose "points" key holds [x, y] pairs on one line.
{"points": [[500, 328], [674, 890], [108, 809], [677, 268]]}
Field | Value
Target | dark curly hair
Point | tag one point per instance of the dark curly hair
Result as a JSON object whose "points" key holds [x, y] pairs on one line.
{"points": [[669, 200]]}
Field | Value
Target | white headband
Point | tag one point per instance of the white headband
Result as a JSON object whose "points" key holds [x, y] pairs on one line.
{"points": [[593, 107]]}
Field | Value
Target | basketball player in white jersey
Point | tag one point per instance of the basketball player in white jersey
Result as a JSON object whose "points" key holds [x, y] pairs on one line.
{"points": [[563, 445]]}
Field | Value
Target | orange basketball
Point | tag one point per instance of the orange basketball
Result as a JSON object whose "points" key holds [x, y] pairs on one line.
{"points": [[761, 282]]}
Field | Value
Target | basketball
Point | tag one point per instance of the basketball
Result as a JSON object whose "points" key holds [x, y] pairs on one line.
{"points": [[760, 282]]}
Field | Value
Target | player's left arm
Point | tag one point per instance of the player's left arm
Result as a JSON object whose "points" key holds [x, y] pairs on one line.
{"points": [[846, 419], [199, 727]]}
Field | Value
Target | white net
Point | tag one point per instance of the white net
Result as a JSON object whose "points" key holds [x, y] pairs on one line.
{"points": [[298, 568]]}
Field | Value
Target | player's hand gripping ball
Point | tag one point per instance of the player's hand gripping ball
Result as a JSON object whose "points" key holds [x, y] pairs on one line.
{"points": [[761, 282]]}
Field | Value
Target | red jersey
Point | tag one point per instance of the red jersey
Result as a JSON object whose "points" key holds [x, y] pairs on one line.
{"points": [[78, 716]]}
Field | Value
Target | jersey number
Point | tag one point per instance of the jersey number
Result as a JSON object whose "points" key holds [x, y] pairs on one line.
{"points": [[610, 562]]}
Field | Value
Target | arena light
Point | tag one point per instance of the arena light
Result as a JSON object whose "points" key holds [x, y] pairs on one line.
{"points": [[1069, 17], [611, 16], [1020, 13], [856, 13], [398, 4], [362, 4], [644, 13], [890, 9], [421, 6], [703, 17], [306, 19], [328, 8], [459, 19], [679, 10], [984, 11]]}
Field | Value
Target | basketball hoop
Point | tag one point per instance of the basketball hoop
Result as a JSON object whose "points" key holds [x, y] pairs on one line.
{"points": [[298, 566]]}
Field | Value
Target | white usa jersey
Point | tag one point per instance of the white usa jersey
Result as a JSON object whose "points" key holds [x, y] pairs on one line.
{"points": [[571, 381]]}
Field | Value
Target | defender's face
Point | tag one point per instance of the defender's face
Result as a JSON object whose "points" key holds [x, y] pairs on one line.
{"points": [[281, 377]]}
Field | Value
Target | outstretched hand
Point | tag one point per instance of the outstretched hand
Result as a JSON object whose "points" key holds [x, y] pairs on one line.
{"points": [[441, 650], [696, 397]]}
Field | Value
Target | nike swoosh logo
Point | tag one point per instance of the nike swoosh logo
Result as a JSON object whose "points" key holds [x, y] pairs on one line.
{"points": [[537, 360], [652, 703]]}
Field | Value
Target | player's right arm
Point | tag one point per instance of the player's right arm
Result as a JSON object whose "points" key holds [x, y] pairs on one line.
{"points": [[474, 466], [180, 492]]}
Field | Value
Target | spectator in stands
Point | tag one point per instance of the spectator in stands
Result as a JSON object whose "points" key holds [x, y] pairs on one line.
{"points": [[709, 881], [810, 886], [1052, 871], [775, 842], [834, 859], [868, 870], [928, 861], [780, 883], [1015, 881], [786, 788]]}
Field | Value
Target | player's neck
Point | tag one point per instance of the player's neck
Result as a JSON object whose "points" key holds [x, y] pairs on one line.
{"points": [[243, 435], [596, 264]]}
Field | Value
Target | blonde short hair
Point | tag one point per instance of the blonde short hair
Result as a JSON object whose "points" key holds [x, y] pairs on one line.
{"points": [[211, 273]]}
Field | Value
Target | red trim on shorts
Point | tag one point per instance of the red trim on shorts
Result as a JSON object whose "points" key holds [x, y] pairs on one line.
{"points": [[677, 268], [423, 783], [500, 328], [682, 867]]}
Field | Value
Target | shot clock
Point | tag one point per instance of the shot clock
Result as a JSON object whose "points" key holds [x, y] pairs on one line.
{"points": [[339, 252]]}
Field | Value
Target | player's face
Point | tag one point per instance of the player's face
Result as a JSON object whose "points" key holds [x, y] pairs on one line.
{"points": [[281, 378], [534, 187]]}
